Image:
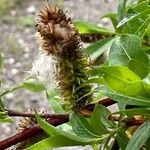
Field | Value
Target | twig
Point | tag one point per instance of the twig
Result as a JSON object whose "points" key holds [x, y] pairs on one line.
{"points": [[128, 121], [86, 111], [58, 120], [14, 113], [29, 132]]}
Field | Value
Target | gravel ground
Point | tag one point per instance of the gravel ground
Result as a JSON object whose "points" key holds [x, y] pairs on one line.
{"points": [[19, 47]]}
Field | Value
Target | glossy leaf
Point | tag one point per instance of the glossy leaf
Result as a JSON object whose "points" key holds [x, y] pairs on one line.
{"points": [[127, 51], [146, 83], [81, 126], [54, 104], [132, 15], [140, 32], [53, 142], [104, 114], [96, 49], [85, 27], [33, 85], [123, 80], [139, 137], [133, 112], [140, 7], [3, 114], [122, 139], [128, 100], [121, 9], [96, 123], [58, 132]]}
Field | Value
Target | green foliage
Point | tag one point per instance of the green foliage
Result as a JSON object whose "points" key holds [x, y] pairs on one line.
{"points": [[33, 84], [139, 137], [124, 77], [126, 50], [87, 27]]}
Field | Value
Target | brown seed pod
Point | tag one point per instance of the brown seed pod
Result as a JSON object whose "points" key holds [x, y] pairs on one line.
{"points": [[61, 39], [56, 31]]}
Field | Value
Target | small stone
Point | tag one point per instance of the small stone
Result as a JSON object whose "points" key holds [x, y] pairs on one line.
{"points": [[11, 60], [31, 9], [14, 71]]}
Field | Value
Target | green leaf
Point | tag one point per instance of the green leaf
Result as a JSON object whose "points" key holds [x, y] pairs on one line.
{"points": [[146, 83], [140, 32], [3, 114], [95, 71], [11, 90], [133, 112], [147, 146], [139, 137], [141, 101], [127, 51], [131, 16], [54, 104], [52, 142], [123, 80], [81, 126], [58, 132], [85, 27], [121, 9], [1, 106], [96, 49], [122, 139], [99, 120], [96, 123], [140, 7], [33, 84]]}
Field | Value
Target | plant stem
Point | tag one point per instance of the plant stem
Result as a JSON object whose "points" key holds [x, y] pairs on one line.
{"points": [[57, 119], [29, 132], [11, 90]]}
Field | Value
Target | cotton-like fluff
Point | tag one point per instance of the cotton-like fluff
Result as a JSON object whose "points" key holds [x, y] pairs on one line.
{"points": [[45, 68]]}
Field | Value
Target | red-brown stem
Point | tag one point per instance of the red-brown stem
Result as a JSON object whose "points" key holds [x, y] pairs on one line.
{"points": [[128, 121], [86, 111], [31, 131], [57, 120], [14, 113]]}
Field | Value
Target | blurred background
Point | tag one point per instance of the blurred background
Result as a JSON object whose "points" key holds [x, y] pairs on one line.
{"points": [[19, 45]]}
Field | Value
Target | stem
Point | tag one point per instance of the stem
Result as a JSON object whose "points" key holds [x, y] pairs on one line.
{"points": [[11, 90], [86, 111], [29, 132], [128, 121], [58, 119], [14, 113]]}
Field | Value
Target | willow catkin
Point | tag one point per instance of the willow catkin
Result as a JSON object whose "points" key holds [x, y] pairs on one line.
{"points": [[60, 38]]}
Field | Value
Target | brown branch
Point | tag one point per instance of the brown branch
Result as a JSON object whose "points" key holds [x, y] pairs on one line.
{"points": [[31, 131], [86, 111], [128, 121], [58, 120], [14, 113]]}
